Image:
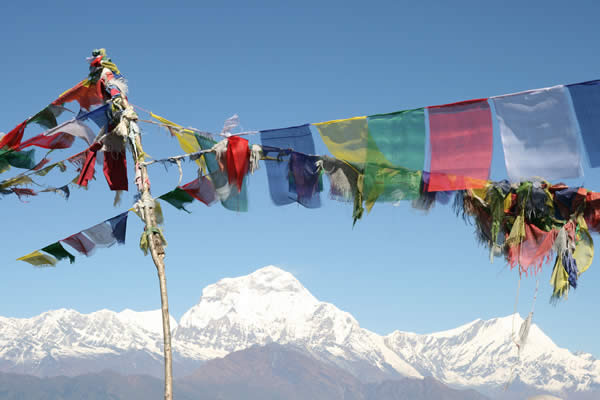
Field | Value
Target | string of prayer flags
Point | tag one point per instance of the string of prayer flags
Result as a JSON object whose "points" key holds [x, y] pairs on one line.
{"points": [[539, 134], [586, 101], [305, 179], [461, 139], [346, 139], [274, 141]]}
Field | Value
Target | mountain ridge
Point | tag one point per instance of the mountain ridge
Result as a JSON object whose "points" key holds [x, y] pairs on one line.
{"points": [[271, 306]]}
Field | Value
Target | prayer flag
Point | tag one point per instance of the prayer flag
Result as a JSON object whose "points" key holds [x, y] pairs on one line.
{"points": [[101, 234], [81, 243], [118, 225], [12, 139], [395, 156], [47, 117], [238, 157], [461, 139], [178, 198], [58, 251], [346, 139], [539, 134], [201, 189], [86, 93], [18, 159], [305, 179], [586, 101], [230, 199], [298, 138], [38, 259], [99, 116], [87, 170], [75, 128], [60, 140], [115, 170]]}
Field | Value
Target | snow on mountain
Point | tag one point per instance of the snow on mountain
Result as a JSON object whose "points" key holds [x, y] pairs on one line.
{"points": [[38, 344], [271, 305], [482, 354]]}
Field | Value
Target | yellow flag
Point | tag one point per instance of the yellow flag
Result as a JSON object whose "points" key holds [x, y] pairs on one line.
{"points": [[19, 180], [38, 259], [346, 139], [185, 137]]}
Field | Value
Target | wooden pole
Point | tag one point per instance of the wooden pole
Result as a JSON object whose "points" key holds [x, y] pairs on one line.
{"points": [[157, 250]]}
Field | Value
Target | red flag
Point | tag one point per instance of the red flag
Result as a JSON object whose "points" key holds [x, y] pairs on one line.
{"points": [[238, 160], [461, 145], [81, 243], [61, 140], [201, 189], [85, 92], [87, 171], [13, 138], [115, 170]]}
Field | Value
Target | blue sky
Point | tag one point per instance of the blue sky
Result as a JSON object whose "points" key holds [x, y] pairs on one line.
{"points": [[279, 65]]}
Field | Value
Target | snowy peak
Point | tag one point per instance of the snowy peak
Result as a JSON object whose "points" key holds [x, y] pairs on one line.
{"points": [[265, 296]]}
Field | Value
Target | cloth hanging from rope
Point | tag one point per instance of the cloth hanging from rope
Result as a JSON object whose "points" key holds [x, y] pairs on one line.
{"points": [[75, 128], [12, 139], [346, 139], [60, 140], [230, 198], [201, 189], [305, 179], [38, 259], [461, 139], [47, 117], [298, 138], [539, 134], [178, 198], [86, 93], [81, 243], [88, 167], [101, 234], [395, 151], [115, 170], [238, 156], [17, 159], [586, 101], [58, 251], [99, 116]]}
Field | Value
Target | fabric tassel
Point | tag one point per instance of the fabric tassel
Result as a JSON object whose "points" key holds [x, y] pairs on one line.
{"points": [[255, 156], [238, 157]]}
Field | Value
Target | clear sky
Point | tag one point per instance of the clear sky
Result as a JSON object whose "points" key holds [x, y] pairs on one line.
{"points": [[279, 65]]}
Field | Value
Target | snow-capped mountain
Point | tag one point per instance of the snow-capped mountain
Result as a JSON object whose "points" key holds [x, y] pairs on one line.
{"points": [[271, 305]]}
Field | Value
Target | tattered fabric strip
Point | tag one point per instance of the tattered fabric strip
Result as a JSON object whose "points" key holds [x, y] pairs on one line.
{"points": [[115, 170], [58, 251]]}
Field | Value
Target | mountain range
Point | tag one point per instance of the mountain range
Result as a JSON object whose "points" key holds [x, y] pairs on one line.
{"points": [[270, 306]]}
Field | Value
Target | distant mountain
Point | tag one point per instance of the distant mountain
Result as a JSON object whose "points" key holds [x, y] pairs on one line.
{"points": [[273, 372], [271, 306]]}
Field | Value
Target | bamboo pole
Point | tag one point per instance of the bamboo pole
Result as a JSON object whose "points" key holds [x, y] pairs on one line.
{"points": [[157, 250]]}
